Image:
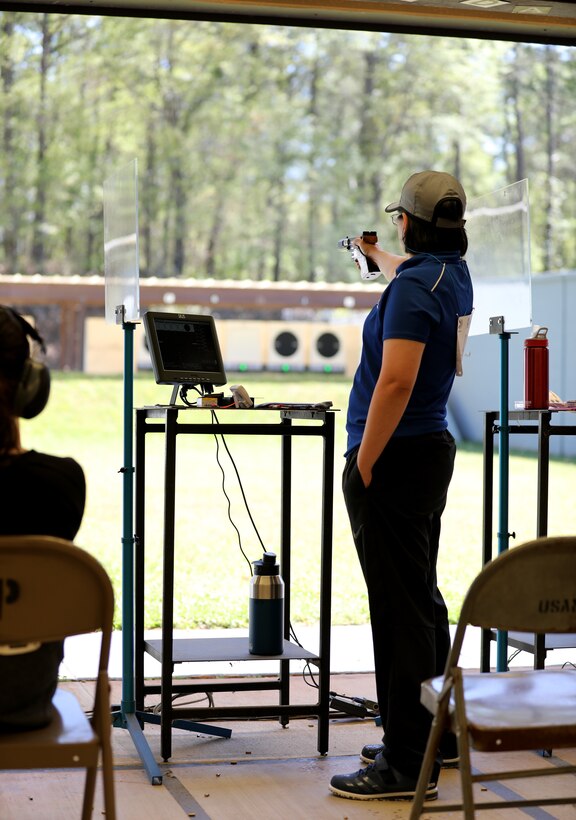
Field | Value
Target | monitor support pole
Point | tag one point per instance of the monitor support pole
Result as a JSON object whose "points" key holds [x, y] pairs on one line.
{"points": [[497, 328], [127, 718]]}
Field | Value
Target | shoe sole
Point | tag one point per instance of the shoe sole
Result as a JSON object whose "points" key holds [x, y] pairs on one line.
{"points": [[431, 794]]}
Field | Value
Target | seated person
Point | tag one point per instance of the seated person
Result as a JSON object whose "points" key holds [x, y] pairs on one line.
{"points": [[40, 494]]}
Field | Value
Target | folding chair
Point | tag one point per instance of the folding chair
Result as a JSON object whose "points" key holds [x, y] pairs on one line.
{"points": [[50, 589], [529, 588]]}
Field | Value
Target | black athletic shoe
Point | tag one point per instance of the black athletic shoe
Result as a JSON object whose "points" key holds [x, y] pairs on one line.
{"points": [[370, 752], [378, 781]]}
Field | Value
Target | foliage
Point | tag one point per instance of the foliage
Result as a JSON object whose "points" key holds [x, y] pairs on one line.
{"points": [[260, 146]]}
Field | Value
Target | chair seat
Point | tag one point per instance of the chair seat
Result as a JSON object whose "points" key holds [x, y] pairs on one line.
{"points": [[68, 741], [508, 711]]}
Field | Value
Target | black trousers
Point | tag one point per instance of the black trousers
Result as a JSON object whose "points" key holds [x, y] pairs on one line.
{"points": [[396, 528]]}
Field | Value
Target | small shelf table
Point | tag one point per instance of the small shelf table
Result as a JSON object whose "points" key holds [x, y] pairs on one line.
{"points": [[539, 423], [173, 421]]}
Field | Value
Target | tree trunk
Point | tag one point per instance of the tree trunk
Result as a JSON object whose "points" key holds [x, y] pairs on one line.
{"points": [[279, 209], [518, 118], [10, 233], [550, 93], [180, 199], [38, 248], [214, 235], [149, 200], [312, 180], [369, 138]]}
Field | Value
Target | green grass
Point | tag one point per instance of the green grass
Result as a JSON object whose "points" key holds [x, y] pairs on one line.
{"points": [[85, 419]]}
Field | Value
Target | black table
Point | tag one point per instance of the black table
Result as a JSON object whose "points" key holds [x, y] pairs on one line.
{"points": [[539, 423], [172, 422]]}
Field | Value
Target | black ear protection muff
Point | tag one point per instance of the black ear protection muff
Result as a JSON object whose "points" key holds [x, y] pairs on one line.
{"points": [[33, 387]]}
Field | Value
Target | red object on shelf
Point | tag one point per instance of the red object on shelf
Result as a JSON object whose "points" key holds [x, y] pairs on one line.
{"points": [[536, 388]]}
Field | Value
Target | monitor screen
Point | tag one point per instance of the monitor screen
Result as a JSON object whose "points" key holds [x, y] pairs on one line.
{"points": [[184, 349]]}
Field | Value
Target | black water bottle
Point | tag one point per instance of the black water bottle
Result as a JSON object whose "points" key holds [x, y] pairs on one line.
{"points": [[266, 612]]}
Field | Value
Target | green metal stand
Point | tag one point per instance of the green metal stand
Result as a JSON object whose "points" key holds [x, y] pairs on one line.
{"points": [[126, 717], [497, 327]]}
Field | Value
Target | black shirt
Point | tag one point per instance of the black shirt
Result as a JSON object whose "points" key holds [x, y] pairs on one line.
{"points": [[39, 495]]}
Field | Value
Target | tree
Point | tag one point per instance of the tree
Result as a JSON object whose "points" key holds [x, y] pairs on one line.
{"points": [[260, 146], [9, 114]]}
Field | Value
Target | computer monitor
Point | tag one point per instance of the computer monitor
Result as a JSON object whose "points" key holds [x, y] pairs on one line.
{"points": [[184, 350]]}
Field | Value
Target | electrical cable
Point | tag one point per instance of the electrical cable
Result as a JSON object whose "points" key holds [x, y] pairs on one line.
{"points": [[223, 486], [156, 709], [184, 397], [204, 696], [308, 676], [513, 655], [307, 672], [215, 419], [184, 394]]}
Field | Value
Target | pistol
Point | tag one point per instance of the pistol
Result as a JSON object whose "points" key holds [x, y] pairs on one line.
{"points": [[368, 268]]}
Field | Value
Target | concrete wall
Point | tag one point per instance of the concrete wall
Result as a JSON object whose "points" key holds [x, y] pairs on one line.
{"points": [[553, 305]]}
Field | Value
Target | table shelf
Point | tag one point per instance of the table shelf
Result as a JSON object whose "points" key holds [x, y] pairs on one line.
{"points": [[196, 650]]}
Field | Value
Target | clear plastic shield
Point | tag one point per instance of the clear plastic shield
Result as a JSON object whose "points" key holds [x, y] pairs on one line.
{"points": [[121, 255], [498, 227]]}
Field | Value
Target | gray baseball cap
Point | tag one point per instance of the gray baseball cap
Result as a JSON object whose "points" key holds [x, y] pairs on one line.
{"points": [[424, 191]]}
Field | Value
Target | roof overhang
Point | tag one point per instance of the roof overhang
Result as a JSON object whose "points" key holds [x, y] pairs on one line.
{"points": [[541, 21]]}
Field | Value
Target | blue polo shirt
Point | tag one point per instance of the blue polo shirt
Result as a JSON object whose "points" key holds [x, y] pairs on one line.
{"points": [[422, 303]]}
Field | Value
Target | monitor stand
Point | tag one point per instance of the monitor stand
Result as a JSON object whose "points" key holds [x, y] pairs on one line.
{"points": [[205, 389], [174, 396]]}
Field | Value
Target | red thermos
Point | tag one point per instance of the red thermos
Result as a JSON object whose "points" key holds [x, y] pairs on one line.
{"points": [[536, 390]]}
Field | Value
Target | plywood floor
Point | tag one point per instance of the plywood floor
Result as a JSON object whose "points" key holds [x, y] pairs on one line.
{"points": [[262, 771]]}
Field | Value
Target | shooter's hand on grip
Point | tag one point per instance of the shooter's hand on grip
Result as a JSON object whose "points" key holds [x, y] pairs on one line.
{"points": [[359, 248], [370, 258]]}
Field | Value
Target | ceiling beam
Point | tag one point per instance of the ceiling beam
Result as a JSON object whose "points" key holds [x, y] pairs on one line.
{"points": [[521, 20]]}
